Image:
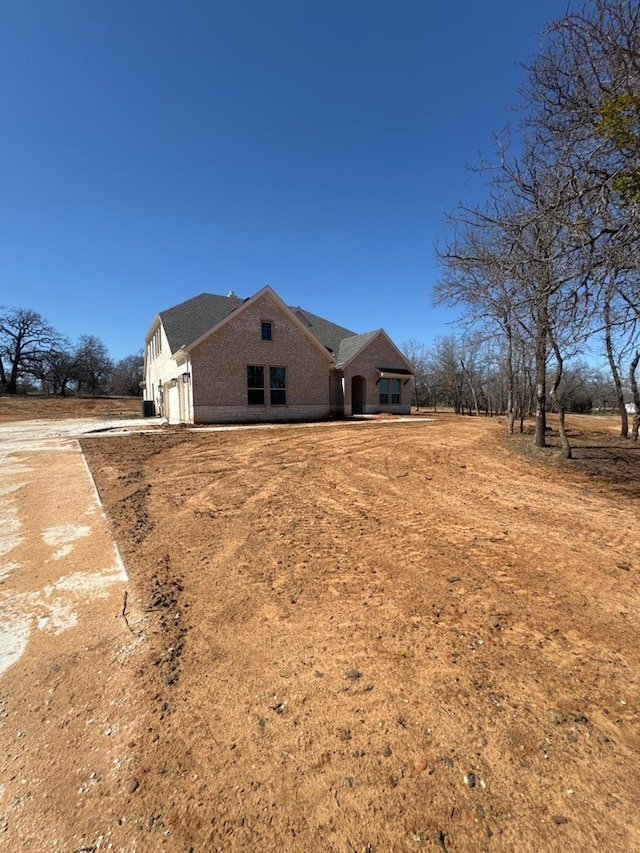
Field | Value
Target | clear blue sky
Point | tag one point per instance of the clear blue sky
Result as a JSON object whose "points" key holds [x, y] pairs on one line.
{"points": [[153, 150]]}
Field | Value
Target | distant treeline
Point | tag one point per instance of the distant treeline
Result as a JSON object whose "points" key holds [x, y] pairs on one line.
{"points": [[36, 357]]}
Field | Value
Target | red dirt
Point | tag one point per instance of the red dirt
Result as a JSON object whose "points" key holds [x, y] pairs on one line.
{"points": [[382, 636], [21, 407]]}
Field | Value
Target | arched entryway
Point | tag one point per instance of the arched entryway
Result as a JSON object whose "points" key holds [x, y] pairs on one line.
{"points": [[358, 392]]}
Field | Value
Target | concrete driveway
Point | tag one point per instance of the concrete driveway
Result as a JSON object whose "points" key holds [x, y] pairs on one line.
{"points": [[57, 556]]}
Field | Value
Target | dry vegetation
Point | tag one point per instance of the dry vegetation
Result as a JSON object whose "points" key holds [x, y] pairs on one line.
{"points": [[382, 636]]}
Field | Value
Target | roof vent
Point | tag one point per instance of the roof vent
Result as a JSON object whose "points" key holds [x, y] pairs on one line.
{"points": [[232, 293]]}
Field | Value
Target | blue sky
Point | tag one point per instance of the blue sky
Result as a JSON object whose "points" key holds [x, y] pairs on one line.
{"points": [[153, 150]]}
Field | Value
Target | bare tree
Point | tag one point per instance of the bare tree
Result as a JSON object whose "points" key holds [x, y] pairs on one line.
{"points": [[621, 330], [26, 339], [476, 265], [58, 369], [417, 354], [636, 395], [94, 366], [584, 97], [127, 374], [557, 246]]}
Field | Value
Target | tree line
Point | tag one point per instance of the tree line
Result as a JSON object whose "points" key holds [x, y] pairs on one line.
{"points": [[550, 261], [35, 357], [469, 374]]}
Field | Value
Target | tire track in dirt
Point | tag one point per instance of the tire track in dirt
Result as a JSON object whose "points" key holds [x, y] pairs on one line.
{"points": [[388, 644]]}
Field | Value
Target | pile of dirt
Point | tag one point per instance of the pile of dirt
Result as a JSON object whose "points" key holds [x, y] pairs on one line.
{"points": [[377, 636]]}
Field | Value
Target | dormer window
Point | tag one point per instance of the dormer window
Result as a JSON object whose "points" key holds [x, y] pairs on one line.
{"points": [[266, 331]]}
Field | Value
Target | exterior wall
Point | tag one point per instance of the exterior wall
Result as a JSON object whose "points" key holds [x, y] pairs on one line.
{"points": [[219, 368], [379, 353], [160, 368], [336, 391]]}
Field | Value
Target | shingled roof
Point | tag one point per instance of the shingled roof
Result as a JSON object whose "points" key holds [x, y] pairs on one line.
{"points": [[190, 319], [329, 334], [352, 345]]}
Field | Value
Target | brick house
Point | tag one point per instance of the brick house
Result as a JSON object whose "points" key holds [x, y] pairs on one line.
{"points": [[222, 359]]}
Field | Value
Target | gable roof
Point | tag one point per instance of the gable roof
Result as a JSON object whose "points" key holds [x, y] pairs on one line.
{"points": [[269, 292], [351, 346], [191, 319]]}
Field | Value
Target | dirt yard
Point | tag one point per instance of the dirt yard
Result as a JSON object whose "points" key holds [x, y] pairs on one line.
{"points": [[28, 407], [378, 636]]}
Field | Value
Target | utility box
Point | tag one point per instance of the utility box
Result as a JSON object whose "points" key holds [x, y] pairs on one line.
{"points": [[148, 409]]}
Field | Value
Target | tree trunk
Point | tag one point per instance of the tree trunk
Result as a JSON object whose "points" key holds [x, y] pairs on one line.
{"points": [[553, 392], [510, 384], [615, 373], [635, 424], [473, 390], [541, 376]]}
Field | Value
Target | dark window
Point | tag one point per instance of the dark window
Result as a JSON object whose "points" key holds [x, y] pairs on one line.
{"points": [[266, 331], [255, 385], [278, 386], [389, 392]]}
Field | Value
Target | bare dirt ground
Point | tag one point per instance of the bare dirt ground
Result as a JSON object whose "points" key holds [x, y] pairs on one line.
{"points": [[377, 636], [28, 407]]}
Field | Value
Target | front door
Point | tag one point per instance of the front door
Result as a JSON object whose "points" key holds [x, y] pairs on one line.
{"points": [[358, 388]]}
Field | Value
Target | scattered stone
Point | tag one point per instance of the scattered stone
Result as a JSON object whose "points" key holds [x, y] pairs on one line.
{"points": [[455, 579], [344, 734], [448, 761], [480, 812], [386, 751], [353, 673], [559, 819], [318, 674], [421, 765], [134, 785], [470, 779]]}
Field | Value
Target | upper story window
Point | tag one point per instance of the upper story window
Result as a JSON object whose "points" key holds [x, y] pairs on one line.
{"points": [[266, 331], [155, 345]]}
